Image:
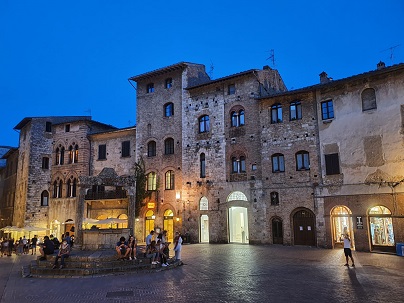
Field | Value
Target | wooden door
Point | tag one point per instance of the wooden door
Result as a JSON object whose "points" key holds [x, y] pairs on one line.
{"points": [[304, 228]]}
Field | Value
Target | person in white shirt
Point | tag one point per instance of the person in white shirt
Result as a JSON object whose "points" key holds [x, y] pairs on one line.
{"points": [[347, 250]]}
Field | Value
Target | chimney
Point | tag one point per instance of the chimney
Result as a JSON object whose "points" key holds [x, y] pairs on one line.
{"points": [[324, 78], [381, 65], [266, 67]]}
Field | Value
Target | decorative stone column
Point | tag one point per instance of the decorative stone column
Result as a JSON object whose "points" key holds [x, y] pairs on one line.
{"points": [[78, 237], [131, 208]]}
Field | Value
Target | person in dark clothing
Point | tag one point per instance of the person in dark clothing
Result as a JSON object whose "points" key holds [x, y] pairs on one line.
{"points": [[47, 248]]}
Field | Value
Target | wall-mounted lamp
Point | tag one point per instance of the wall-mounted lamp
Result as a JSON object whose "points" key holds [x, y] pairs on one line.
{"points": [[178, 219], [137, 219], [177, 195], [153, 217]]}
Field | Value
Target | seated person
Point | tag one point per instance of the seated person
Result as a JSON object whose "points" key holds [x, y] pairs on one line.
{"points": [[47, 248], [163, 252], [133, 247], [151, 252], [122, 248], [64, 252]]}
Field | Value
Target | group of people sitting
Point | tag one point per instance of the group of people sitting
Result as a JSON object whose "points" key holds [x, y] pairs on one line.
{"points": [[48, 247], [157, 248]]}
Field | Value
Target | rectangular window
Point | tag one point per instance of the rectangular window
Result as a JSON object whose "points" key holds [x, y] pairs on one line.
{"points": [[48, 127], [102, 152], [150, 88], [67, 128], [332, 164], [45, 163], [327, 110], [126, 149], [231, 89]]}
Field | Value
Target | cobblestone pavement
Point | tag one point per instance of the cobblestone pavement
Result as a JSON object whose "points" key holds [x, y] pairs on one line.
{"points": [[225, 273]]}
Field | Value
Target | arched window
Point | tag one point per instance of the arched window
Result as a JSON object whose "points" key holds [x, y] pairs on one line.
{"points": [[204, 204], [274, 198], [238, 165], [169, 146], [381, 226], [170, 179], [276, 113], [295, 110], [302, 160], [71, 187], [168, 109], [237, 196], [202, 165], [368, 99], [62, 156], [151, 183], [55, 189], [45, 198], [60, 189], [278, 163], [57, 162], [237, 118], [71, 153], [204, 124], [76, 154], [151, 149]]}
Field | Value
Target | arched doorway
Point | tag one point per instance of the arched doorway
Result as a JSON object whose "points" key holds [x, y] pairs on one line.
{"points": [[204, 229], [304, 227], [168, 224], [69, 227], [238, 223], [149, 222], [277, 231], [381, 229], [238, 218], [341, 223]]}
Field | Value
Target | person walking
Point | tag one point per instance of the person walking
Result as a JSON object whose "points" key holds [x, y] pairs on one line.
{"points": [[348, 250], [34, 241]]}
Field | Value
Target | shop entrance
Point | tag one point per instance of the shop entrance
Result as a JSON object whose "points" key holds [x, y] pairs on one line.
{"points": [[304, 228], [381, 229], [238, 225], [149, 222], [277, 231], [204, 229], [341, 224], [168, 224]]}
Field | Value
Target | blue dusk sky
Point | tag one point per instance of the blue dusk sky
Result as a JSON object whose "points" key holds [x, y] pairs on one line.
{"points": [[75, 57]]}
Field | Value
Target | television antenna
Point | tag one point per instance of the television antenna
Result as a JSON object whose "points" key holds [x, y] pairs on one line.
{"points": [[391, 49], [272, 57], [212, 67]]}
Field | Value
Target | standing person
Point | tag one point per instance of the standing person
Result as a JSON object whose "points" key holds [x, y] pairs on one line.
{"points": [[177, 246], [34, 241], [64, 252], [347, 250], [25, 245], [20, 247], [47, 248]]}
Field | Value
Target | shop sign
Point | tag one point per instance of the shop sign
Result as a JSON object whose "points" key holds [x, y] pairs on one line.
{"points": [[150, 205], [359, 223]]}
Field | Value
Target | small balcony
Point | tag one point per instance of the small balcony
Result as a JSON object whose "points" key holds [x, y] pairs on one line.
{"points": [[105, 195]]}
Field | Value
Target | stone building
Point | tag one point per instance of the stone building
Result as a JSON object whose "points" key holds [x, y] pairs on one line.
{"points": [[8, 174], [239, 159], [360, 122]]}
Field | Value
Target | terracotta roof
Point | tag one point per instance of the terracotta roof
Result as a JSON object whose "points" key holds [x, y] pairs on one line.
{"points": [[332, 83], [164, 70]]}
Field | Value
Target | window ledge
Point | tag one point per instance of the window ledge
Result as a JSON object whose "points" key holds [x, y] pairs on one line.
{"points": [[327, 121]]}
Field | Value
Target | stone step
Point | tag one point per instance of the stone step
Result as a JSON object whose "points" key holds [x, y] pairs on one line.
{"points": [[94, 264]]}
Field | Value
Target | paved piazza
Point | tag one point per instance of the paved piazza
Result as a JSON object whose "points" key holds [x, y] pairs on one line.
{"points": [[225, 273]]}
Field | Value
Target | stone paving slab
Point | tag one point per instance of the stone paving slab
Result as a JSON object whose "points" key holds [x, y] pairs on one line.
{"points": [[226, 273]]}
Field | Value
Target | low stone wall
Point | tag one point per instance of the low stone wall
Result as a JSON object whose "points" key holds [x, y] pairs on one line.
{"points": [[103, 238]]}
